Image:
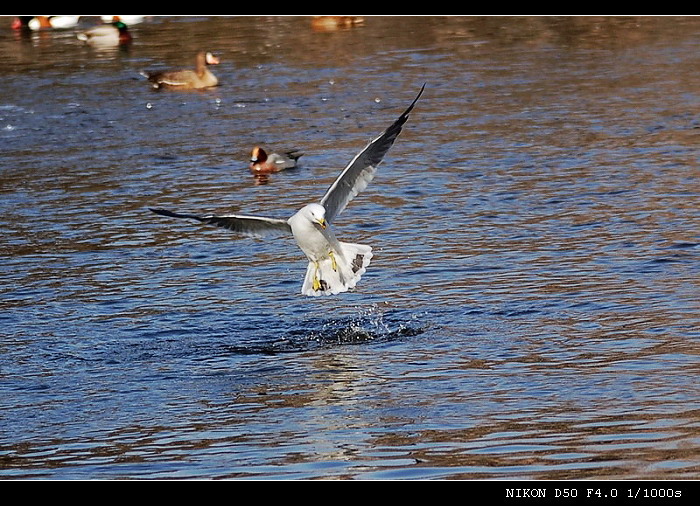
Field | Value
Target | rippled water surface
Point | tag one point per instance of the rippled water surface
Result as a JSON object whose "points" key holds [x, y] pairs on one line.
{"points": [[532, 309]]}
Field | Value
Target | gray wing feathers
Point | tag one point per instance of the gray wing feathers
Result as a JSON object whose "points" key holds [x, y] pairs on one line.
{"points": [[251, 226], [361, 170]]}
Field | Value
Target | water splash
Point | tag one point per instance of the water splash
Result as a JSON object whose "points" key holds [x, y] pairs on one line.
{"points": [[369, 325]]}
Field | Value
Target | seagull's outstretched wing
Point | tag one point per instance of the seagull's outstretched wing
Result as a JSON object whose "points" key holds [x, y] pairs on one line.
{"points": [[360, 171], [252, 226]]}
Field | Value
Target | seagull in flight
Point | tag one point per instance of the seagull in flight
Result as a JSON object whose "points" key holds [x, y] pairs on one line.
{"points": [[334, 266]]}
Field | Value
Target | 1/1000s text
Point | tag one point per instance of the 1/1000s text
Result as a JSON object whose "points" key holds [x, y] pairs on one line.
{"points": [[592, 493]]}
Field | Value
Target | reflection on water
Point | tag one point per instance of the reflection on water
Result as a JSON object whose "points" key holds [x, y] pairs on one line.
{"points": [[531, 310]]}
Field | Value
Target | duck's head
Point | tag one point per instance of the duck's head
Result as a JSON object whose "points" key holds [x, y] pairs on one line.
{"points": [[120, 25], [210, 59], [258, 155]]}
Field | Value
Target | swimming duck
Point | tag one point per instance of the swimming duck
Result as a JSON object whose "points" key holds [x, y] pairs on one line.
{"points": [[113, 34], [43, 22], [187, 79], [262, 163], [332, 23], [129, 20], [21, 22]]}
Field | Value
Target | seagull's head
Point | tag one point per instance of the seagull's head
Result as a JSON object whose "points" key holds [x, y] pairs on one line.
{"points": [[316, 213]]}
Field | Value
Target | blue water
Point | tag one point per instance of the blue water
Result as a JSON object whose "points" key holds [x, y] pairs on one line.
{"points": [[531, 310]]}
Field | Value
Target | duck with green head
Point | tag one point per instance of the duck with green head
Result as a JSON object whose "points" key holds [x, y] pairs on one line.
{"points": [[113, 34]]}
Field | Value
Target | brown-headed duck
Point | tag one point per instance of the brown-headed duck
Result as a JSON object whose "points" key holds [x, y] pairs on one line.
{"points": [[263, 163]]}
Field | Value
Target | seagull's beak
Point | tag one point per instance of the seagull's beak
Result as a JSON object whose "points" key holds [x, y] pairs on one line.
{"points": [[323, 223]]}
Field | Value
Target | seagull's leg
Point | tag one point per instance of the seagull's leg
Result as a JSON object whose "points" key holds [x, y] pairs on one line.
{"points": [[334, 264], [317, 283]]}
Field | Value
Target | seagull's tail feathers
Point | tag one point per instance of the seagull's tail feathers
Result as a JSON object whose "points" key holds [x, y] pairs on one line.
{"points": [[338, 272]]}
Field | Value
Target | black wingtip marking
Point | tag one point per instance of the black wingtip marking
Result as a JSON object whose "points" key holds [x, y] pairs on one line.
{"points": [[162, 212], [410, 107], [404, 116], [170, 214], [395, 129]]}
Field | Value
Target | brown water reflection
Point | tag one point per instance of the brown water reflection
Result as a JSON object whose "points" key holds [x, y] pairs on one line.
{"points": [[531, 311]]}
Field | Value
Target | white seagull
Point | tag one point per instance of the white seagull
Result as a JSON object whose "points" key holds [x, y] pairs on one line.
{"points": [[334, 266]]}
